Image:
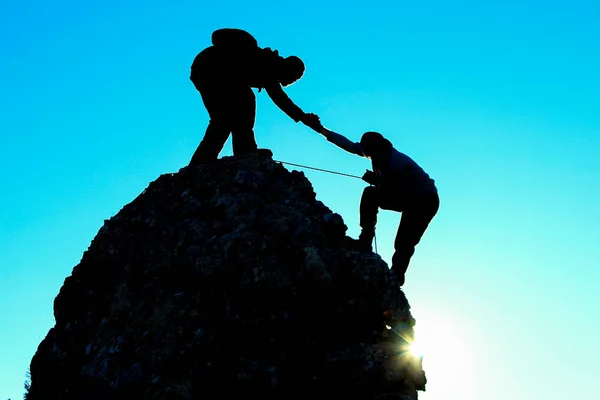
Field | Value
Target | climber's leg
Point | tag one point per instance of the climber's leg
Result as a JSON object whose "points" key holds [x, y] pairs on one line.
{"points": [[369, 207], [413, 223], [243, 105], [216, 100]]}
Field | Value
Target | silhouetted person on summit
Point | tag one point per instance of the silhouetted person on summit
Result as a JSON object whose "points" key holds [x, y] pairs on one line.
{"points": [[399, 184], [225, 74]]}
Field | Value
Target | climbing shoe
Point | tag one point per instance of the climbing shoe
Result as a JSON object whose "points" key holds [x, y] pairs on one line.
{"points": [[256, 153], [365, 240], [399, 275], [358, 245], [264, 153]]}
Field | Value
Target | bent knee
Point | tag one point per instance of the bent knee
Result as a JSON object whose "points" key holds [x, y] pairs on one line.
{"points": [[371, 191]]}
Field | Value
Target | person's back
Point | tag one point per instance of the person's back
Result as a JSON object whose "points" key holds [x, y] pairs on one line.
{"points": [[403, 170], [260, 68], [236, 57]]}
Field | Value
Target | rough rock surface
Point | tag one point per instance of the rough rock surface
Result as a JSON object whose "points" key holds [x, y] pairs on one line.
{"points": [[224, 280]]}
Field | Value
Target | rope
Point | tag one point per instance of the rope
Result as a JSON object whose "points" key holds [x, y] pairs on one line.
{"points": [[319, 169], [331, 172]]}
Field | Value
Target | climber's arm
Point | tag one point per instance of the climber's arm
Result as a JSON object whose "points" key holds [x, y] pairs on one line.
{"points": [[281, 100], [343, 142]]}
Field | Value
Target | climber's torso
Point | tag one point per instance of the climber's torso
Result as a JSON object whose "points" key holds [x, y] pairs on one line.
{"points": [[255, 68], [402, 181]]}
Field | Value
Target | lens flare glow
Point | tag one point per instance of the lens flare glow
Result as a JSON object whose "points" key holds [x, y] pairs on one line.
{"points": [[448, 354], [416, 350]]}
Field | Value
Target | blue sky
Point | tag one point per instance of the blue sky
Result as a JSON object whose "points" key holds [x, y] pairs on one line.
{"points": [[497, 101]]}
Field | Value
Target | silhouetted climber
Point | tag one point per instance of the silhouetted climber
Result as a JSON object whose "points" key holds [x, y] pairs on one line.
{"points": [[399, 184], [225, 74]]}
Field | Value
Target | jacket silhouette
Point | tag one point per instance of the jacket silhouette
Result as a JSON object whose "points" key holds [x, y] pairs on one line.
{"points": [[399, 184], [225, 74]]}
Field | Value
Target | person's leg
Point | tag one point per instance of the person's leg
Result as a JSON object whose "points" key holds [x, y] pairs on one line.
{"points": [[215, 99], [211, 145], [369, 207], [413, 223], [242, 129]]}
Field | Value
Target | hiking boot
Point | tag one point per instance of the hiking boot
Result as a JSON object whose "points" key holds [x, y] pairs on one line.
{"points": [[264, 153], [399, 275], [358, 245], [257, 153], [365, 240], [401, 278]]}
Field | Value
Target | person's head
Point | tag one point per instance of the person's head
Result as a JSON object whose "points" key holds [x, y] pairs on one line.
{"points": [[375, 145], [292, 69]]}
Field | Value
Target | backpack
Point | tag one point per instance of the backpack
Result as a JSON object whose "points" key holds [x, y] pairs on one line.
{"points": [[233, 38], [243, 44]]}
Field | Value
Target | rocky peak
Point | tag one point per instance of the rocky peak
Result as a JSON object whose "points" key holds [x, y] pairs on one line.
{"points": [[225, 279]]}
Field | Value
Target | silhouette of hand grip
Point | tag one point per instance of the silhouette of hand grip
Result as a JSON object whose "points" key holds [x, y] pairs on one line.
{"points": [[312, 121], [370, 177]]}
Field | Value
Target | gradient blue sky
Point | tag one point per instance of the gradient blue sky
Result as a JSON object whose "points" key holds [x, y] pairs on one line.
{"points": [[498, 101]]}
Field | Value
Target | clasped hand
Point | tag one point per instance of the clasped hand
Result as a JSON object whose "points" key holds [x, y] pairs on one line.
{"points": [[370, 177], [312, 121]]}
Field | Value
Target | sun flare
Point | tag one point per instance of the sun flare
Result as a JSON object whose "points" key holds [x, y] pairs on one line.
{"points": [[444, 345], [416, 350]]}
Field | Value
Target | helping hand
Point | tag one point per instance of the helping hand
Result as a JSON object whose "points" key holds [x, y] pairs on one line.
{"points": [[370, 177], [312, 121]]}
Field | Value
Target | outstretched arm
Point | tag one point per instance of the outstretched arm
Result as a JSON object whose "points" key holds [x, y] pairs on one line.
{"points": [[342, 142], [282, 100]]}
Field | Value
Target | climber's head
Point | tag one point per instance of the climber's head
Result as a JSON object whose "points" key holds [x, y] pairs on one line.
{"points": [[291, 69], [374, 145]]}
